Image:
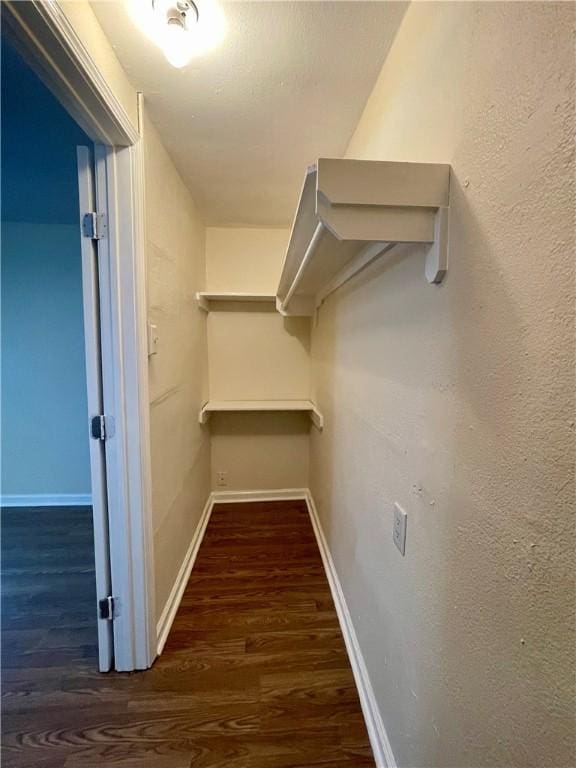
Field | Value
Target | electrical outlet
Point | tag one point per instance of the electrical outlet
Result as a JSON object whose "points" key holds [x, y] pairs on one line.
{"points": [[399, 530], [221, 479]]}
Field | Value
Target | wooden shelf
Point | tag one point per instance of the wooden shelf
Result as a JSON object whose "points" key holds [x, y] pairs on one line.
{"points": [[352, 211], [261, 406], [206, 299]]}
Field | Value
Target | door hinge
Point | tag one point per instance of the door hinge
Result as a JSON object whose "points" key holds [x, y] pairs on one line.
{"points": [[94, 225], [106, 608], [101, 427]]}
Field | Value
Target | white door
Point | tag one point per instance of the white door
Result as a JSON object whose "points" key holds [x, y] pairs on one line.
{"points": [[90, 285]]}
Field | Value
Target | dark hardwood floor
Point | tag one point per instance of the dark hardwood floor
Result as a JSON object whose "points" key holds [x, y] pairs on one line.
{"points": [[254, 674]]}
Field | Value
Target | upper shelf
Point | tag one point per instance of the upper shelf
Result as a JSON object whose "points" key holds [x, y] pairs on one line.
{"points": [[351, 211], [206, 299]]}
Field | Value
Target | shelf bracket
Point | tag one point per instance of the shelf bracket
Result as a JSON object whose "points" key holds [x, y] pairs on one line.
{"points": [[317, 419], [312, 246], [437, 256], [202, 304], [203, 415]]}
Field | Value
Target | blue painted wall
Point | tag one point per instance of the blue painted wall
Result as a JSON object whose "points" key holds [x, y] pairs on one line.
{"points": [[44, 437]]}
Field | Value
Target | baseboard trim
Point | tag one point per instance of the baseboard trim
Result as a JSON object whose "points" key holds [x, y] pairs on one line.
{"points": [[46, 500], [280, 494], [379, 741], [173, 603]]}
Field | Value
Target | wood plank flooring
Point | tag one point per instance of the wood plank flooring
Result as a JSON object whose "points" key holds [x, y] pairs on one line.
{"points": [[254, 673]]}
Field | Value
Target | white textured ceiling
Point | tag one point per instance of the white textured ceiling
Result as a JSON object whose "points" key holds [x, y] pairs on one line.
{"points": [[287, 85]]}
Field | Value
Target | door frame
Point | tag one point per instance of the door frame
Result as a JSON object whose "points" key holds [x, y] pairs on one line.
{"points": [[44, 36]]}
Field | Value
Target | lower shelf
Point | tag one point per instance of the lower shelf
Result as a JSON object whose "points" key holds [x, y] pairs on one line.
{"points": [[261, 406]]}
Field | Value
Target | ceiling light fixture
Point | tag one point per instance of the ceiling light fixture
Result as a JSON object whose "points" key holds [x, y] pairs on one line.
{"points": [[182, 29], [178, 19]]}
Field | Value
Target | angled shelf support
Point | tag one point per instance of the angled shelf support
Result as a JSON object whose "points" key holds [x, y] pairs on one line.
{"points": [[352, 211], [262, 406]]}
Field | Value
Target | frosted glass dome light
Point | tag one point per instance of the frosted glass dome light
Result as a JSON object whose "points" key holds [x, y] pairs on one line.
{"points": [[182, 29]]}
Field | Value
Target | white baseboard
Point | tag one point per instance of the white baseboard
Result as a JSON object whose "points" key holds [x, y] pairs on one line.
{"points": [[46, 500], [173, 603], [281, 494], [376, 731]]}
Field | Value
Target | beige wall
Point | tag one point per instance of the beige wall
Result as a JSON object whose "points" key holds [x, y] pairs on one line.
{"points": [[260, 451], [178, 380], [244, 259], [458, 401], [255, 354]]}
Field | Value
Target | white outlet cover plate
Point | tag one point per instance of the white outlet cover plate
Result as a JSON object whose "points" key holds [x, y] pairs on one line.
{"points": [[399, 530]]}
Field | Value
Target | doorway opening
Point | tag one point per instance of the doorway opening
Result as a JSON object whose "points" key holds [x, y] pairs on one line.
{"points": [[53, 482], [48, 42]]}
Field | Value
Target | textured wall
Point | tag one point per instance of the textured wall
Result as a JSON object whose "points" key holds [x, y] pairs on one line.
{"points": [[244, 259], [458, 401], [180, 447], [260, 451], [255, 354], [44, 410]]}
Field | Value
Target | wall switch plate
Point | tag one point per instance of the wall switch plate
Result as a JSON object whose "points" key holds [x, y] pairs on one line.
{"points": [[399, 530], [221, 479]]}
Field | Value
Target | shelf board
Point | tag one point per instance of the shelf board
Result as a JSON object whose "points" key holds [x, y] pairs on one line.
{"points": [[261, 406], [205, 299], [352, 211]]}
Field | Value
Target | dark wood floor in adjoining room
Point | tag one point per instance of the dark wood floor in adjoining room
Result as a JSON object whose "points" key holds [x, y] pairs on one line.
{"points": [[254, 674]]}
